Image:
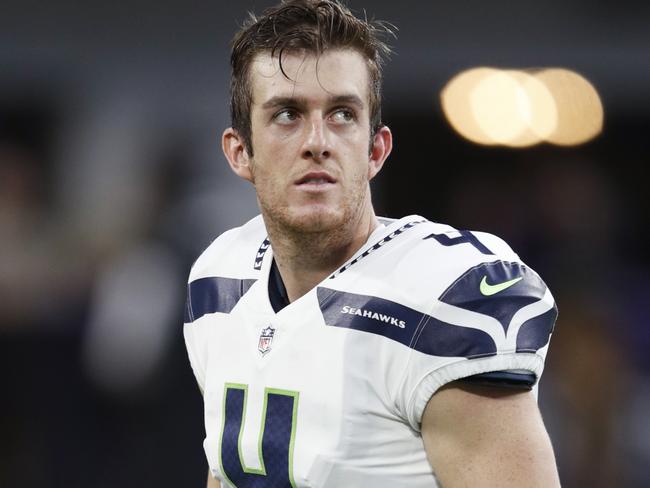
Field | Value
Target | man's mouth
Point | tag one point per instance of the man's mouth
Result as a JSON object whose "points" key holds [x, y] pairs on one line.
{"points": [[316, 178]]}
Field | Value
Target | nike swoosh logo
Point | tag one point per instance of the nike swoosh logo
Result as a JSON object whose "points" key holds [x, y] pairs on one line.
{"points": [[489, 290]]}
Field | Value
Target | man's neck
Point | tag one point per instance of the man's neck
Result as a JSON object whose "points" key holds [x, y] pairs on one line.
{"points": [[306, 259]]}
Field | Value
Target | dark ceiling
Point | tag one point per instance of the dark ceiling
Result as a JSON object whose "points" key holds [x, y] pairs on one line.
{"points": [[609, 42]]}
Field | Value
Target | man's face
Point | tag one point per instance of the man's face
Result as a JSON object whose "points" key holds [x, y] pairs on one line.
{"points": [[310, 138]]}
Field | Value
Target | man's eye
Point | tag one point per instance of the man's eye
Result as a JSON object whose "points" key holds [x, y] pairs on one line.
{"points": [[343, 116], [285, 116]]}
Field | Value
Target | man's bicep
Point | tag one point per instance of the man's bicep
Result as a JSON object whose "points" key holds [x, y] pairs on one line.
{"points": [[213, 482], [486, 436]]}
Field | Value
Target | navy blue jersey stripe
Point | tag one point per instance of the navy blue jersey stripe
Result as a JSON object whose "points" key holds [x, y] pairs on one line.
{"points": [[440, 338], [213, 294], [402, 324]]}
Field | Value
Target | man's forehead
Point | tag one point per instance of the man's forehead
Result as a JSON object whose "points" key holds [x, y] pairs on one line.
{"points": [[335, 72]]}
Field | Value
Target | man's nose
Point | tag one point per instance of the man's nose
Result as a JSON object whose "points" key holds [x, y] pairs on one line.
{"points": [[317, 139]]}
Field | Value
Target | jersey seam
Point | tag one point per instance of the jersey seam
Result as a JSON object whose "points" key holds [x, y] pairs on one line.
{"points": [[189, 301], [376, 246], [434, 305], [412, 350]]}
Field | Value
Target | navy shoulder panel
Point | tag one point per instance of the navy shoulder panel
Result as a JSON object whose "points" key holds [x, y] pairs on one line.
{"points": [[536, 332], [497, 289], [402, 324], [213, 294]]}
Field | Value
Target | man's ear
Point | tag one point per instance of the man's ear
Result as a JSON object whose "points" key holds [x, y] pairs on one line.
{"points": [[382, 145], [235, 151]]}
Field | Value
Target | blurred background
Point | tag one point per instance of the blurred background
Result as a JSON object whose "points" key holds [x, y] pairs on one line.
{"points": [[112, 182]]}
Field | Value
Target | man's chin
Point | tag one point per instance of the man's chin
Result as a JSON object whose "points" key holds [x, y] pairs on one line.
{"points": [[315, 220]]}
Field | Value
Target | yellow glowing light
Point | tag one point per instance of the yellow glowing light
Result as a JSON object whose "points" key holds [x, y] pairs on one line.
{"points": [[502, 109], [579, 109], [537, 109], [521, 108], [457, 108]]}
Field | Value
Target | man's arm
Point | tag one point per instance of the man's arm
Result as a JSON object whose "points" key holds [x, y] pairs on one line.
{"points": [[213, 482], [487, 436]]}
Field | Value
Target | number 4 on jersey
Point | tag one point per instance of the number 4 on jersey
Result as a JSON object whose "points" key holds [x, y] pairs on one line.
{"points": [[276, 438], [464, 237]]}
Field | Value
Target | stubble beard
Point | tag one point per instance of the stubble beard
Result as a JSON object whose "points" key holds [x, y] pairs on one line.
{"points": [[317, 226]]}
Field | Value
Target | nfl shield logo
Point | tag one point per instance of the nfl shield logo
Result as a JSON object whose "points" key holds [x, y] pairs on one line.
{"points": [[266, 338]]}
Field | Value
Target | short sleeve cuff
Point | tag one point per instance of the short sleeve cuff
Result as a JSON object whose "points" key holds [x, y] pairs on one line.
{"points": [[430, 383]]}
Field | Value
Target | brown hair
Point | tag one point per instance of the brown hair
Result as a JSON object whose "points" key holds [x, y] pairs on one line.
{"points": [[303, 25]]}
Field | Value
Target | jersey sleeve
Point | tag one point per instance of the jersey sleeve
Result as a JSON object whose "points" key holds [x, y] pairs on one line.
{"points": [[205, 294], [497, 316], [221, 275]]}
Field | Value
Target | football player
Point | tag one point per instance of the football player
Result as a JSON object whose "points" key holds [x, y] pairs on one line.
{"points": [[335, 348]]}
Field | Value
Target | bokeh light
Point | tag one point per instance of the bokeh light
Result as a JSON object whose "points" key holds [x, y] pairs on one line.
{"points": [[457, 107], [579, 109], [519, 108]]}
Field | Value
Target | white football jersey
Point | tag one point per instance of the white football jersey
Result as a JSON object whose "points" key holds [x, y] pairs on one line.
{"points": [[330, 391]]}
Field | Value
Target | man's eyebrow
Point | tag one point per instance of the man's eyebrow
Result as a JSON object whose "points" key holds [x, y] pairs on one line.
{"points": [[299, 102], [276, 102], [347, 100]]}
